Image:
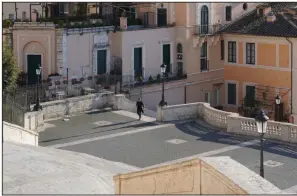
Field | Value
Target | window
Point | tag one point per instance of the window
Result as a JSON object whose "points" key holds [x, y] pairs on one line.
{"points": [[24, 15], [11, 16], [261, 12], [179, 48], [203, 57], [244, 6], [204, 20], [232, 52], [228, 13], [207, 97], [250, 53], [222, 49], [250, 93], [231, 94], [216, 97]]}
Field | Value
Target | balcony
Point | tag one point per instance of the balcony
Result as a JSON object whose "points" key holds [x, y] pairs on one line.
{"points": [[202, 30], [204, 64]]}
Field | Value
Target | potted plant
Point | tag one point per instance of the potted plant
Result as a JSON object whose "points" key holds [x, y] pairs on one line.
{"points": [[219, 107], [150, 79], [158, 77], [65, 81], [74, 81], [82, 79], [57, 82], [55, 76], [90, 77], [107, 87]]}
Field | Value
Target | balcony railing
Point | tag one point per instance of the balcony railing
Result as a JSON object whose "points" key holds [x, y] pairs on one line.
{"points": [[204, 64], [206, 29]]}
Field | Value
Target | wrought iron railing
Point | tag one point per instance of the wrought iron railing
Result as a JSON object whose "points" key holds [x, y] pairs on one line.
{"points": [[204, 65], [206, 29]]}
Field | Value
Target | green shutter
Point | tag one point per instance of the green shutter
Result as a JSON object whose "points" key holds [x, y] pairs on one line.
{"points": [[166, 56], [33, 63], [138, 62], [101, 61]]}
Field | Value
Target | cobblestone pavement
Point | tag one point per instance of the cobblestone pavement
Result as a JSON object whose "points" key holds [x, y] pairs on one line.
{"points": [[142, 144]]}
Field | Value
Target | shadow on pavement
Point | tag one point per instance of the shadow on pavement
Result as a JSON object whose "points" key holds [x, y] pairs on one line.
{"points": [[141, 125], [213, 135]]}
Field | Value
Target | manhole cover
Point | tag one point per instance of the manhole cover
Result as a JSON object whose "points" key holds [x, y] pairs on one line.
{"points": [[102, 123], [271, 163], [176, 141]]}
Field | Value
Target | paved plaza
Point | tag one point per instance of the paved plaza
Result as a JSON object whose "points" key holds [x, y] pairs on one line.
{"points": [[119, 136]]}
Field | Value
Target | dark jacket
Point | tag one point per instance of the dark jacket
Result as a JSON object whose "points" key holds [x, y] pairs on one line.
{"points": [[139, 106]]}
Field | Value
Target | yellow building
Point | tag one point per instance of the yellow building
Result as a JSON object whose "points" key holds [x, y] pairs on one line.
{"points": [[258, 59]]}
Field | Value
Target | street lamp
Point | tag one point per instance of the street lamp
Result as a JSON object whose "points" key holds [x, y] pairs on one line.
{"points": [[163, 70], [277, 101], [261, 121], [38, 106]]}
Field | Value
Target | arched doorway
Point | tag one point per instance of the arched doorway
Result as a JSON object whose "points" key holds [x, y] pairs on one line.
{"points": [[204, 20]]}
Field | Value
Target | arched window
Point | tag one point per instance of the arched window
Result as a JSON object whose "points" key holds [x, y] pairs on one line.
{"points": [[204, 19], [179, 48]]}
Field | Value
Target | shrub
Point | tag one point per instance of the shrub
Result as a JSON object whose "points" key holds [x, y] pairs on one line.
{"points": [[6, 23], [57, 82], [65, 81], [158, 77], [150, 79], [139, 79]]}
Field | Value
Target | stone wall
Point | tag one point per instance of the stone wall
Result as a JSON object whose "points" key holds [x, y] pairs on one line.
{"points": [[121, 103], [60, 108], [19, 134], [209, 175], [227, 121], [33, 120]]}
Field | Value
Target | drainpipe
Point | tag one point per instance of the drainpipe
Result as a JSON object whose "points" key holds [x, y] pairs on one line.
{"points": [[291, 74]]}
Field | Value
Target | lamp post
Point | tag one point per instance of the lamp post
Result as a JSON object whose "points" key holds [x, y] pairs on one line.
{"points": [[37, 106], [261, 121], [163, 70], [277, 101]]}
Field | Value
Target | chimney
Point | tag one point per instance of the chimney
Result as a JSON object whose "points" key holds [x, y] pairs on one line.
{"points": [[123, 23], [271, 18]]}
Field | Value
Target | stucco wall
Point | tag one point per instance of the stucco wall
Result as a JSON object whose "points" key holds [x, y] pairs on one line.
{"points": [[151, 40], [272, 59], [81, 52], [39, 40], [198, 176], [19, 134]]}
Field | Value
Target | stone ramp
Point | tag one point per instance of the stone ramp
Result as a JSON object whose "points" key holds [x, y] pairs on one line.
{"points": [[39, 170]]}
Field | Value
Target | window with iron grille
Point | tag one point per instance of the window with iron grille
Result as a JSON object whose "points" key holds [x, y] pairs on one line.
{"points": [[222, 49], [228, 13], [250, 53], [203, 57], [232, 52]]}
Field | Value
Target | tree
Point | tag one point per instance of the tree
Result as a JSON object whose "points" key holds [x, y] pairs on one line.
{"points": [[10, 69]]}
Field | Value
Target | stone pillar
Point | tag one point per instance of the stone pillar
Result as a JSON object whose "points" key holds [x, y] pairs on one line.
{"points": [[118, 99]]}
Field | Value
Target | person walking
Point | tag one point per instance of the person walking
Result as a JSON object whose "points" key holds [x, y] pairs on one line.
{"points": [[140, 107]]}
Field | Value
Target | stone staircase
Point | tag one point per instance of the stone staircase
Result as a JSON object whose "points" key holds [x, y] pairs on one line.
{"points": [[39, 170]]}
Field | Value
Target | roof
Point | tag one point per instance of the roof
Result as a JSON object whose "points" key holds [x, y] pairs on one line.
{"points": [[285, 25], [39, 170]]}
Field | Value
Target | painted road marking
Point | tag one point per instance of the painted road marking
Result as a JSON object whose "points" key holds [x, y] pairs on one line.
{"points": [[272, 164], [102, 123], [207, 154], [109, 136], [176, 141], [134, 115]]}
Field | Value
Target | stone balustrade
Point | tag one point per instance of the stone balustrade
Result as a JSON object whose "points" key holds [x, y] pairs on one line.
{"points": [[228, 121]]}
